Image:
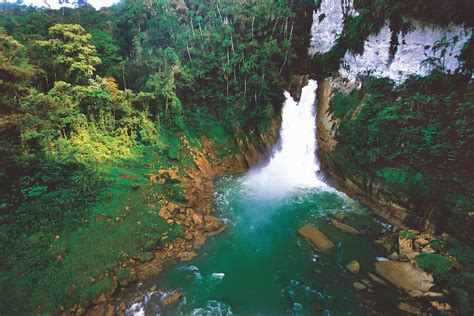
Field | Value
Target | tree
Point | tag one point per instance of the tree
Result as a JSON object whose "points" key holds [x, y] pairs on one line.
{"points": [[72, 55], [14, 73]]}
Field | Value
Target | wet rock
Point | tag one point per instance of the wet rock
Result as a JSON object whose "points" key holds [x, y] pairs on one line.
{"points": [[433, 295], [404, 275], [296, 85], [376, 279], [353, 267], [339, 216], [344, 227], [199, 241], [408, 308], [107, 294], [317, 238], [216, 232], [139, 299], [186, 255], [443, 308], [212, 223], [359, 286], [153, 288], [188, 236], [171, 299]]}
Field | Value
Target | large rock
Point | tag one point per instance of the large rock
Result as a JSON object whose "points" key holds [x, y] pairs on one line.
{"points": [[317, 238], [212, 223], [353, 267], [404, 275], [344, 227]]}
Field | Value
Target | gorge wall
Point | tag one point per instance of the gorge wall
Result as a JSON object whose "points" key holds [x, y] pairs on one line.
{"points": [[386, 53]]}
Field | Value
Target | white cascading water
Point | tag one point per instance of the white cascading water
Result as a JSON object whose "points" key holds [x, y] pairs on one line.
{"points": [[293, 164]]}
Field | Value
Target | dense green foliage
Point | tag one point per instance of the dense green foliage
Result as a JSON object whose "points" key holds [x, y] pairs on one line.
{"points": [[90, 100], [416, 138]]}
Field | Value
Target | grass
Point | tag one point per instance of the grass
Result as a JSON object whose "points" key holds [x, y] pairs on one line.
{"points": [[51, 266]]}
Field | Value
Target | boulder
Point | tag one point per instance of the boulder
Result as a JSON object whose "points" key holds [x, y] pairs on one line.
{"points": [[186, 255], [353, 267], [404, 275], [317, 238], [359, 286], [171, 299], [344, 227], [212, 223]]}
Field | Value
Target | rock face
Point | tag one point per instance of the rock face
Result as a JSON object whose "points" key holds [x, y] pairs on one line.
{"points": [[317, 238], [404, 275], [413, 47], [297, 83]]}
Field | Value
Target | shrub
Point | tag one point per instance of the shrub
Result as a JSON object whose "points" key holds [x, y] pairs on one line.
{"points": [[440, 266]]}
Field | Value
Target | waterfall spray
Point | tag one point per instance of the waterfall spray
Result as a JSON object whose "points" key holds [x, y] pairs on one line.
{"points": [[294, 163]]}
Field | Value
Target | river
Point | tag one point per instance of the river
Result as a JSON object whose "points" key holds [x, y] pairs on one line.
{"points": [[260, 265]]}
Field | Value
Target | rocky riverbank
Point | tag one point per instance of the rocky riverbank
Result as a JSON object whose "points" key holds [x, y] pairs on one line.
{"points": [[193, 214], [418, 268]]}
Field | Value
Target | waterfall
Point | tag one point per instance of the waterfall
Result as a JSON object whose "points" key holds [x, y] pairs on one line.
{"points": [[293, 164]]}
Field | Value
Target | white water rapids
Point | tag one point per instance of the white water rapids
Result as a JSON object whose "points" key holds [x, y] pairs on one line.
{"points": [[293, 164]]}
